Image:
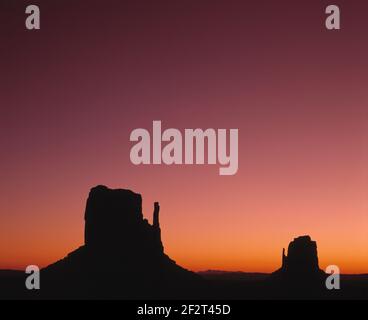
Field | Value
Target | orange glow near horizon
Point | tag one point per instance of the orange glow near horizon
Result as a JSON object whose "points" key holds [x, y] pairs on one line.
{"points": [[190, 226]]}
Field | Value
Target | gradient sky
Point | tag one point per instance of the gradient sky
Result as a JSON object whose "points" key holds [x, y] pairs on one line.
{"points": [[72, 92]]}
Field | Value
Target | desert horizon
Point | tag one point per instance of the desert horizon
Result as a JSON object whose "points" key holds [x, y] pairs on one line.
{"points": [[33, 257]]}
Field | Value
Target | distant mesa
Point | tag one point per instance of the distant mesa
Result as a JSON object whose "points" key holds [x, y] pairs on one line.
{"points": [[302, 256], [123, 255], [301, 262]]}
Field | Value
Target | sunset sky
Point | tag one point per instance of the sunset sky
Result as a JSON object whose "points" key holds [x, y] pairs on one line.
{"points": [[72, 92]]}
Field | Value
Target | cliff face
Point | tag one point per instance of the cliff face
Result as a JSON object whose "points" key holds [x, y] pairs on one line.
{"points": [[299, 273], [123, 255], [302, 256], [114, 220]]}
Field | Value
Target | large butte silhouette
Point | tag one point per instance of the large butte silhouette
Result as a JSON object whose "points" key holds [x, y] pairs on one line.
{"points": [[122, 257], [300, 274]]}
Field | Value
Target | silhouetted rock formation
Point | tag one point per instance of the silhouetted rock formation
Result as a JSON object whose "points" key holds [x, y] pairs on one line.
{"points": [[114, 218], [302, 256], [300, 269], [123, 256]]}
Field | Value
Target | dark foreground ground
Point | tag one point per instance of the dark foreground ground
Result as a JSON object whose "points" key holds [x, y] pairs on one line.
{"points": [[240, 285], [220, 285]]}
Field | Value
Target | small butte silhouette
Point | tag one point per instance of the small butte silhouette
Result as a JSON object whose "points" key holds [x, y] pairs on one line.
{"points": [[123, 258]]}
